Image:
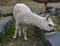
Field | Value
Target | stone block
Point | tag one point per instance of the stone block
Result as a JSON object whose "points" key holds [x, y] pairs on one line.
{"points": [[53, 39]]}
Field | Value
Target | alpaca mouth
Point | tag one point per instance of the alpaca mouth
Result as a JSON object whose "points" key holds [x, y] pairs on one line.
{"points": [[50, 33], [47, 31]]}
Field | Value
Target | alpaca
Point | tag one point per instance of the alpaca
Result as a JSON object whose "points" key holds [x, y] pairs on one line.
{"points": [[25, 17]]}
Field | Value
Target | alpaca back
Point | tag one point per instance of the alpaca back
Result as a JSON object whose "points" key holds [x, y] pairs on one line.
{"points": [[21, 9]]}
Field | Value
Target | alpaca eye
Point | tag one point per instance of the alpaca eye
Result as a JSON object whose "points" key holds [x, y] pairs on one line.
{"points": [[50, 25]]}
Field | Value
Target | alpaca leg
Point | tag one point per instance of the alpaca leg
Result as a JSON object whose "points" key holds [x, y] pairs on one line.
{"points": [[16, 30], [25, 36], [24, 31], [20, 28], [19, 32]]}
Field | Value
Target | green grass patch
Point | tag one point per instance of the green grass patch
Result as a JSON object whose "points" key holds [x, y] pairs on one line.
{"points": [[33, 40]]}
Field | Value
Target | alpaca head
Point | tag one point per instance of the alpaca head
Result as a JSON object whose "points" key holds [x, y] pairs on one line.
{"points": [[47, 24]]}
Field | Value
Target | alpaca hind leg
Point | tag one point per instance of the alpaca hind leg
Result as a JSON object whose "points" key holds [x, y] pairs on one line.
{"points": [[20, 29]]}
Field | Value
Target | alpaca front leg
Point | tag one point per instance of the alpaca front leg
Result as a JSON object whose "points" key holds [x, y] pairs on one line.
{"points": [[19, 32], [15, 34], [25, 36], [16, 31]]}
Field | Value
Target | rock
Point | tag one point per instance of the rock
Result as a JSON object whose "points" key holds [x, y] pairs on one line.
{"points": [[38, 13], [57, 10], [49, 9], [0, 12], [53, 39], [4, 24], [2, 32]]}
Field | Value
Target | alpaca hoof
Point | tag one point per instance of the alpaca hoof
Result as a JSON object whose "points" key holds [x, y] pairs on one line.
{"points": [[25, 38], [14, 37], [19, 34]]}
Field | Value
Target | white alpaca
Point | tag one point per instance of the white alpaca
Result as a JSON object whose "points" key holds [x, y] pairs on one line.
{"points": [[24, 17]]}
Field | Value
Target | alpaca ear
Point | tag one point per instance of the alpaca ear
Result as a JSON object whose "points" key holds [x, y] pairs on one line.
{"points": [[47, 16]]}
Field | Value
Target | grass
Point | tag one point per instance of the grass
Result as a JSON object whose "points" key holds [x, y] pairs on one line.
{"points": [[57, 23], [33, 36], [33, 40], [6, 9]]}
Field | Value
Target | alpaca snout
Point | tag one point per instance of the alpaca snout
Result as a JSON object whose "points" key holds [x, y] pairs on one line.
{"points": [[52, 30]]}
